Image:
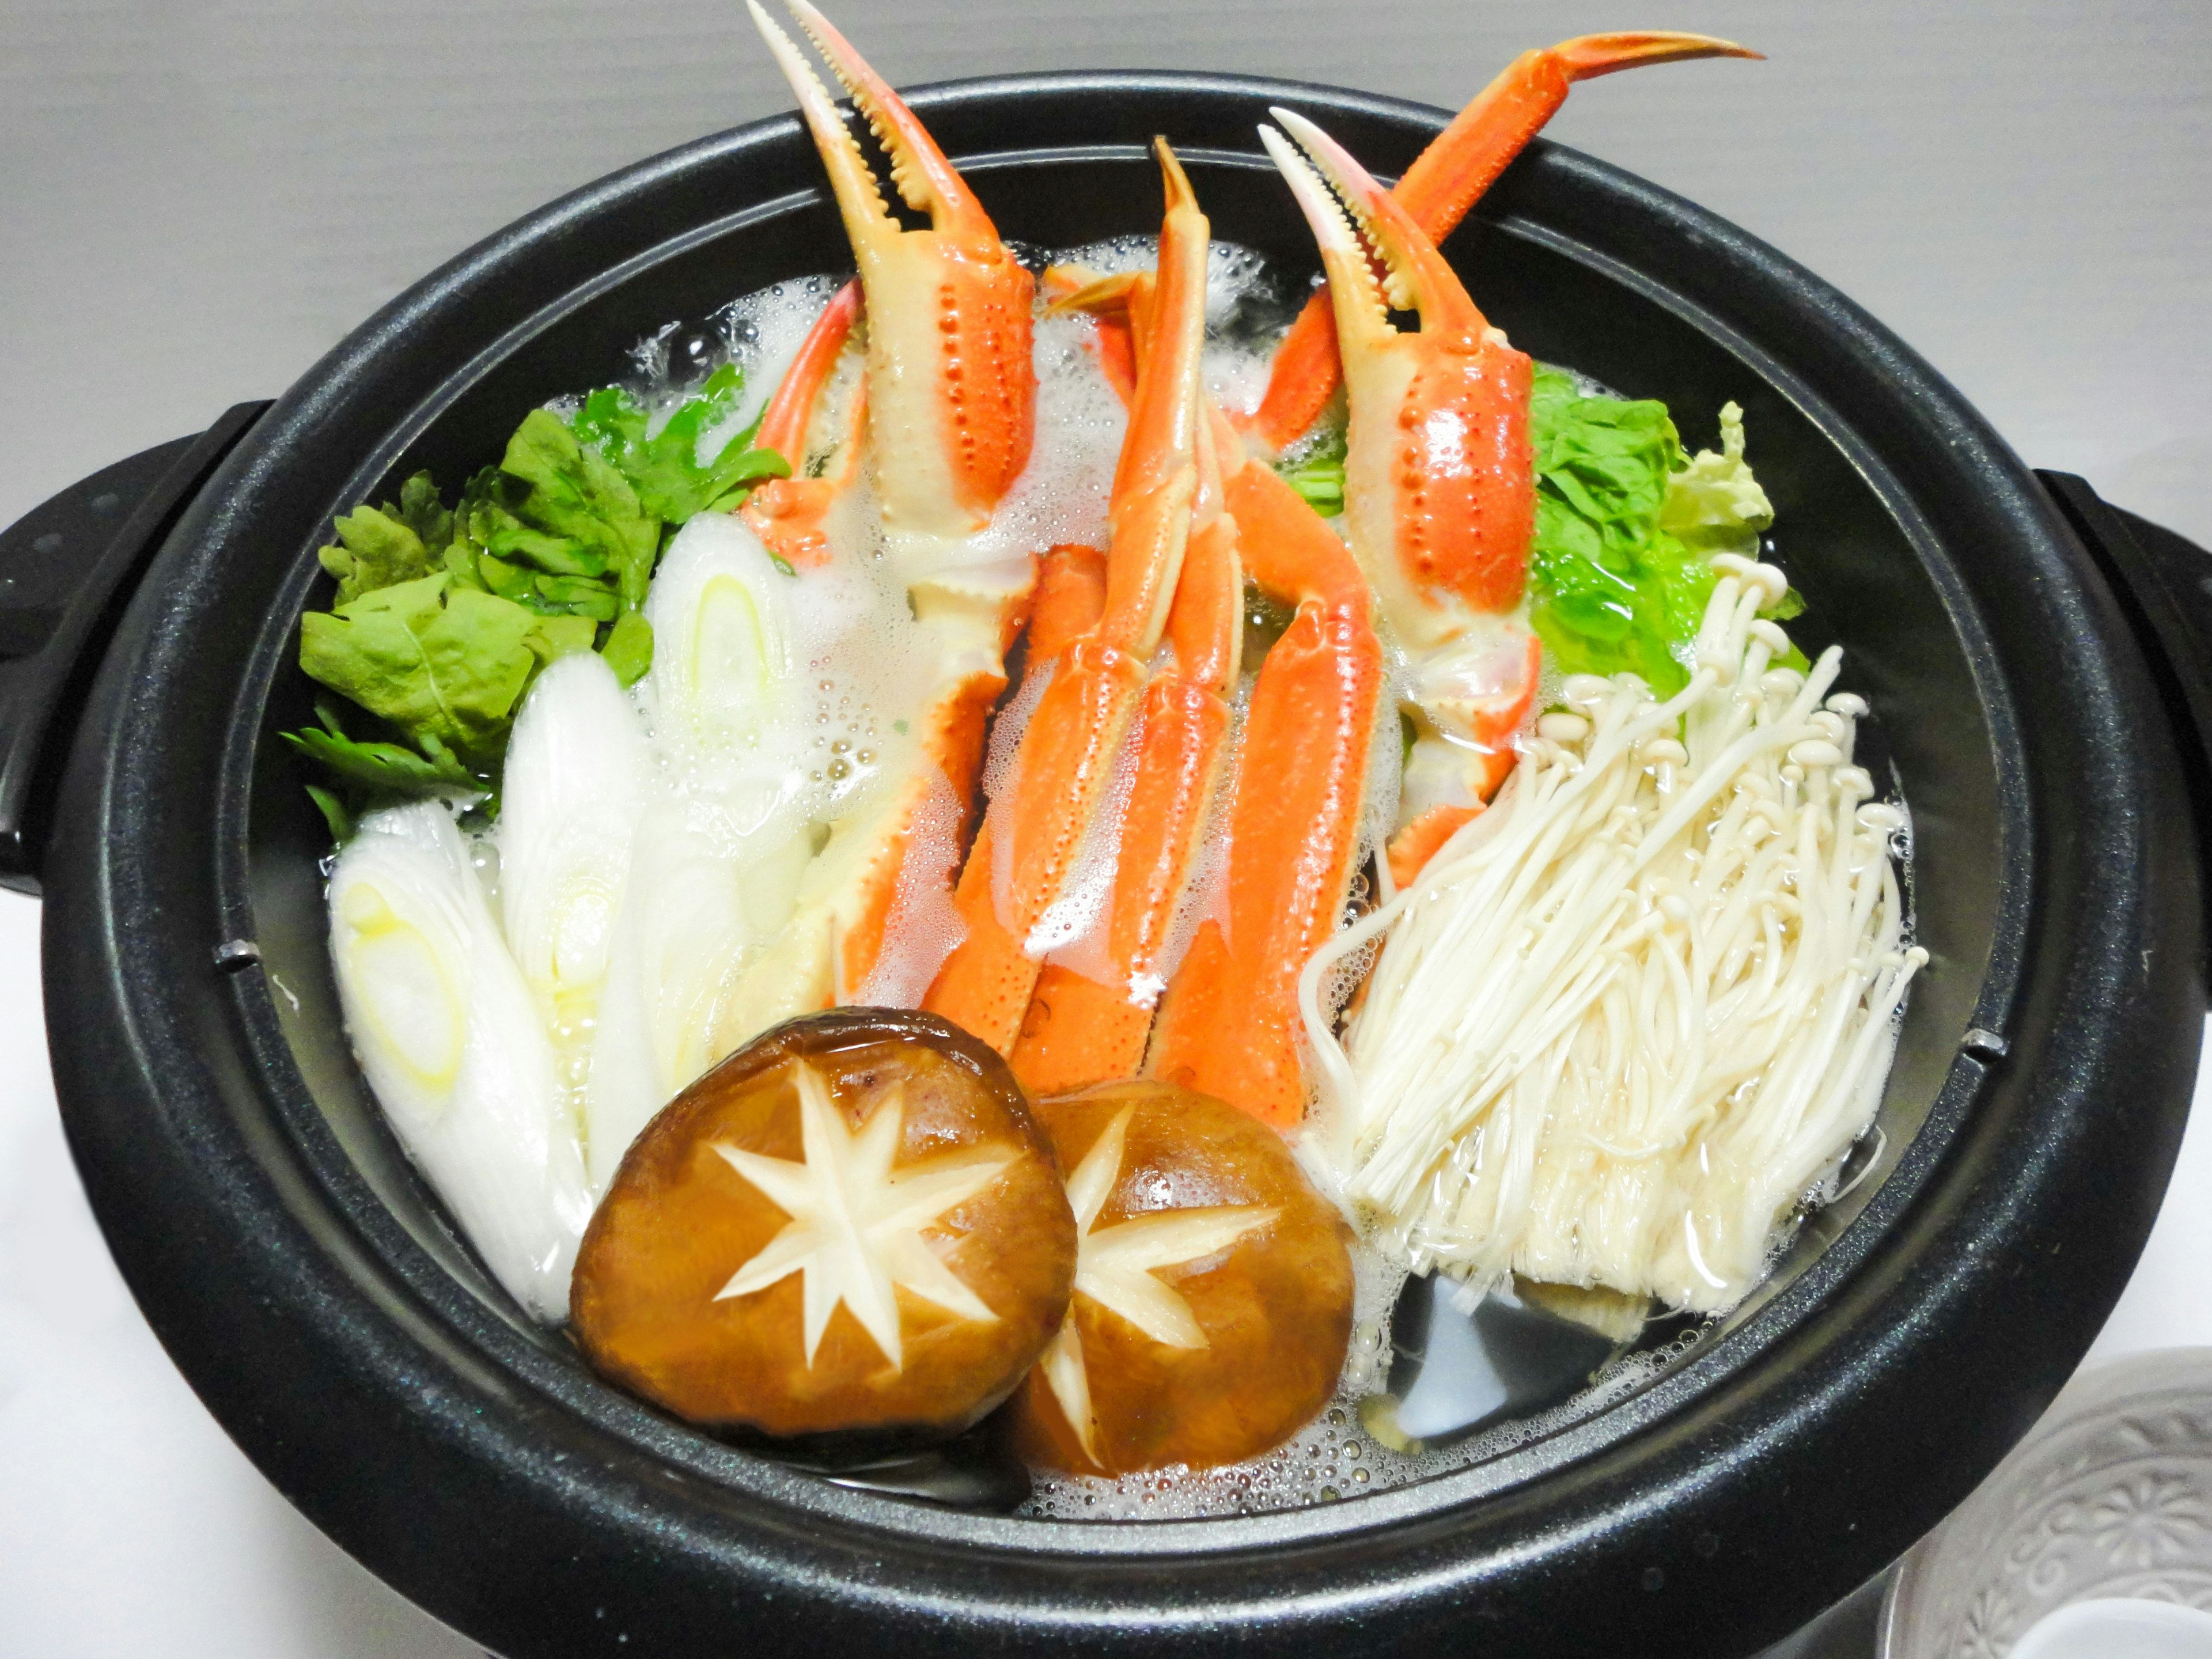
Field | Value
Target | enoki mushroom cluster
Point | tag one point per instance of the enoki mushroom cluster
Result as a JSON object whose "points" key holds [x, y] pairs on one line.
{"points": [[1629, 1017]]}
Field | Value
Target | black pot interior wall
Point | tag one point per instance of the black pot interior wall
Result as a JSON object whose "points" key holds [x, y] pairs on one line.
{"points": [[1848, 537]]}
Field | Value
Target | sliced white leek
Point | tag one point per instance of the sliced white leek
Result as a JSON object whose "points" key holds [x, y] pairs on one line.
{"points": [[695, 912], [723, 693], [452, 1043], [721, 836], [576, 780]]}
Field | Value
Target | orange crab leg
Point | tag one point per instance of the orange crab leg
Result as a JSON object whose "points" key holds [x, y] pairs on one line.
{"points": [[789, 514], [1071, 598], [1229, 1024], [1122, 307], [1069, 751], [1460, 163], [1088, 1022]]}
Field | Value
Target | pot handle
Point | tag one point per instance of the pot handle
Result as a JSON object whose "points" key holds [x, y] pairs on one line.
{"points": [[67, 569], [2163, 582]]}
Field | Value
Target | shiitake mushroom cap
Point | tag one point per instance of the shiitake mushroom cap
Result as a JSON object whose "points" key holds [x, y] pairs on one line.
{"points": [[679, 1222], [1273, 1304]]}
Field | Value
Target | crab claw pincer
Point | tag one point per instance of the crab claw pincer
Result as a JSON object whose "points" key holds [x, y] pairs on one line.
{"points": [[952, 386]]}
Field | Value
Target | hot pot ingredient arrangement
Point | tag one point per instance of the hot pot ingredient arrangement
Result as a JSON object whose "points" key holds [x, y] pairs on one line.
{"points": [[993, 845]]}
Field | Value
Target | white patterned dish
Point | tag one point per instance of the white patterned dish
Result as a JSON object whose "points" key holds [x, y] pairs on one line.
{"points": [[2107, 1628], [2109, 1496]]}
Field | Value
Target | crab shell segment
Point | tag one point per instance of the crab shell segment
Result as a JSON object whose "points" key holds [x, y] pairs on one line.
{"points": [[952, 388]]}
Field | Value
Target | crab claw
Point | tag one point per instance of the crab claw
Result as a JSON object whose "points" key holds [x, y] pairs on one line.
{"points": [[952, 388], [1446, 179], [1439, 490], [925, 181], [1440, 493], [790, 514]]}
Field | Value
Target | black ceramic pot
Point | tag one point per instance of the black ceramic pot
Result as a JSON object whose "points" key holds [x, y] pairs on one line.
{"points": [[2034, 663]]}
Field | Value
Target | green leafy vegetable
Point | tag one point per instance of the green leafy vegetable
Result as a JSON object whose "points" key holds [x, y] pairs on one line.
{"points": [[386, 768], [1619, 571], [335, 811], [665, 469], [374, 549], [562, 636], [421, 511], [1320, 477], [1608, 591], [572, 515], [444, 616], [629, 649], [1713, 504], [439, 662]]}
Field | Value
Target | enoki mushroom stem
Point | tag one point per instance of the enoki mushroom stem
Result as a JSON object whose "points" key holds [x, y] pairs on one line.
{"points": [[1628, 1019]]}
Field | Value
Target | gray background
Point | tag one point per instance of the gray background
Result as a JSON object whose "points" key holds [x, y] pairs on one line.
{"points": [[198, 199]]}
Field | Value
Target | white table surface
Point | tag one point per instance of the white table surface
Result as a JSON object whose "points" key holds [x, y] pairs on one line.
{"points": [[198, 199]]}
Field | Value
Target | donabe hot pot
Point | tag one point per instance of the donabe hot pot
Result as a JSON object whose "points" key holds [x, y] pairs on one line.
{"points": [[2032, 658]]}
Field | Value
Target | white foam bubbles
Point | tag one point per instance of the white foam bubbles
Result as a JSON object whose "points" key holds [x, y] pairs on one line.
{"points": [[1245, 310], [761, 331]]}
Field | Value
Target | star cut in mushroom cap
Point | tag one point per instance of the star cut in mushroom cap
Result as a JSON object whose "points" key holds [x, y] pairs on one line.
{"points": [[1213, 1299], [1117, 1268], [856, 1225]]}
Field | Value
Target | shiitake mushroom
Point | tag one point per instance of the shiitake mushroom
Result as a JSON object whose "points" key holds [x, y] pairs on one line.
{"points": [[1213, 1286], [852, 1226]]}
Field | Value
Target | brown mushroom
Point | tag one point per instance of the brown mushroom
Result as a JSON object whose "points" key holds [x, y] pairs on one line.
{"points": [[1213, 1288], [851, 1225]]}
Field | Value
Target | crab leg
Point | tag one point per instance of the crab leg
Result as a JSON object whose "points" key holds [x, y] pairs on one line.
{"points": [[790, 514], [1460, 163], [949, 403], [1020, 866], [1229, 1024], [1071, 597], [1088, 1021], [1440, 493]]}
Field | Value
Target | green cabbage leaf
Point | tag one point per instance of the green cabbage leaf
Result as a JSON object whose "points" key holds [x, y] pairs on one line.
{"points": [[1620, 570], [443, 614]]}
